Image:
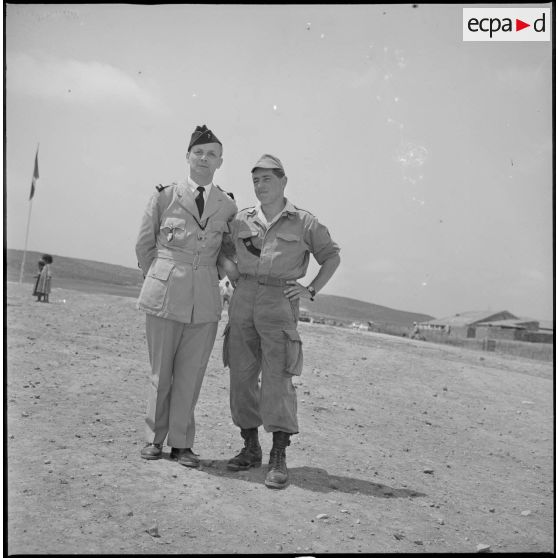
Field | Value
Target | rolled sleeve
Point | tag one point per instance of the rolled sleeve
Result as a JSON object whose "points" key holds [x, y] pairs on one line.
{"points": [[320, 242]]}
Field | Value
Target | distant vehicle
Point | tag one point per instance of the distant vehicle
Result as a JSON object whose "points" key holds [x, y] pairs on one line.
{"points": [[304, 316]]}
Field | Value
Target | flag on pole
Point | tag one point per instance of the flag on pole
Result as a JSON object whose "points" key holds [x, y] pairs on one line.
{"points": [[35, 175]]}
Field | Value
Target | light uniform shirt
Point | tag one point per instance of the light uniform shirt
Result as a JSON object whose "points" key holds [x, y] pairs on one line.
{"points": [[281, 249], [177, 252]]}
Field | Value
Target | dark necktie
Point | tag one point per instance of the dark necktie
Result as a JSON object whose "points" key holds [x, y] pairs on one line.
{"points": [[199, 199]]}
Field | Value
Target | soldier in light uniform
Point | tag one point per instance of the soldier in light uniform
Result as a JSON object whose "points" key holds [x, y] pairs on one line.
{"points": [[178, 245], [273, 243]]}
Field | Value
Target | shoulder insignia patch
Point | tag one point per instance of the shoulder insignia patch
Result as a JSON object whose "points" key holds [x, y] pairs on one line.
{"points": [[230, 194], [305, 210]]}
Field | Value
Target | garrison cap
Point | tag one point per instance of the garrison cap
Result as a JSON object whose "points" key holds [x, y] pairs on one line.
{"points": [[202, 134], [267, 161]]}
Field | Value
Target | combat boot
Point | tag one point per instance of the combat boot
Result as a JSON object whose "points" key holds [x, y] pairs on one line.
{"points": [[250, 455], [278, 475]]}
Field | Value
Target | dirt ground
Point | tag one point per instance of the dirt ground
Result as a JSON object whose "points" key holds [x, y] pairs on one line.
{"points": [[405, 446]]}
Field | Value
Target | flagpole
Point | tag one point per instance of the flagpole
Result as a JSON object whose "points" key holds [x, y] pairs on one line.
{"points": [[29, 216], [26, 237]]}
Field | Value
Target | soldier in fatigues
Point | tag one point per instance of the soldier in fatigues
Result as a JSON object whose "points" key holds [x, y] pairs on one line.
{"points": [[273, 242], [178, 245]]}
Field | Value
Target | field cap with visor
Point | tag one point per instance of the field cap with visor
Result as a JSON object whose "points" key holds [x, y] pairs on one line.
{"points": [[202, 134], [267, 161]]}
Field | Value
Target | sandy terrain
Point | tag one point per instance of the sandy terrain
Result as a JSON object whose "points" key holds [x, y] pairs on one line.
{"points": [[405, 446]]}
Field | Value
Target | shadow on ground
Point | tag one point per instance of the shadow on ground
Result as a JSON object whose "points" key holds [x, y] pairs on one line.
{"points": [[312, 478]]}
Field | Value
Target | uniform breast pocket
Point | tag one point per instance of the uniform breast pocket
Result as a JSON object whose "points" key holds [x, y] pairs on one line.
{"points": [[215, 231], [290, 244], [289, 240], [219, 226], [173, 230]]}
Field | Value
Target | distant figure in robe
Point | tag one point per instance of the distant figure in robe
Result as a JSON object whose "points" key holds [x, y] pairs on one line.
{"points": [[40, 265], [43, 282]]}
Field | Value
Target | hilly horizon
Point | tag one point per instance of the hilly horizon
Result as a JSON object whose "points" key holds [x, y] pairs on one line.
{"points": [[101, 277]]}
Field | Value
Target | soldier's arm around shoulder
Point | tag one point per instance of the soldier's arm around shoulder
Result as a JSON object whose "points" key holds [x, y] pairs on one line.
{"points": [[229, 194], [226, 262], [146, 243], [227, 246]]}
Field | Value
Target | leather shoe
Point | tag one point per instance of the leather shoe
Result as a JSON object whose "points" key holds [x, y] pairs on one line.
{"points": [[152, 451], [185, 456]]}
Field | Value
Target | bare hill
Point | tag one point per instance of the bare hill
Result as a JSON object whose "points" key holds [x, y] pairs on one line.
{"points": [[100, 277], [344, 308], [72, 269], [78, 274]]}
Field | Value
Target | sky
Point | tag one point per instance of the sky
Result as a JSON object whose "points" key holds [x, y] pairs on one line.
{"points": [[428, 158]]}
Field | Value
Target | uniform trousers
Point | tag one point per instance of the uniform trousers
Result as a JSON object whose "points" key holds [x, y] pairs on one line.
{"points": [[178, 354], [261, 337]]}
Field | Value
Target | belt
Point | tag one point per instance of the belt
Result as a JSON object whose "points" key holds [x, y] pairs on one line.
{"points": [[194, 258], [265, 280]]}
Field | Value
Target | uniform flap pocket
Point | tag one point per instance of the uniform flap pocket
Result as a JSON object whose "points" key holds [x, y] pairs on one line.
{"points": [[292, 335], [219, 226], [288, 237], [247, 234], [160, 269], [293, 353], [174, 223]]}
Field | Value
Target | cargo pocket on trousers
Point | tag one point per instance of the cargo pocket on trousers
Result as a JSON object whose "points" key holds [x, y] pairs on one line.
{"points": [[226, 334], [293, 363]]}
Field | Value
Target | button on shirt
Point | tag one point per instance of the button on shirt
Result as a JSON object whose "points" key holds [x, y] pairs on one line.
{"points": [[285, 244]]}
